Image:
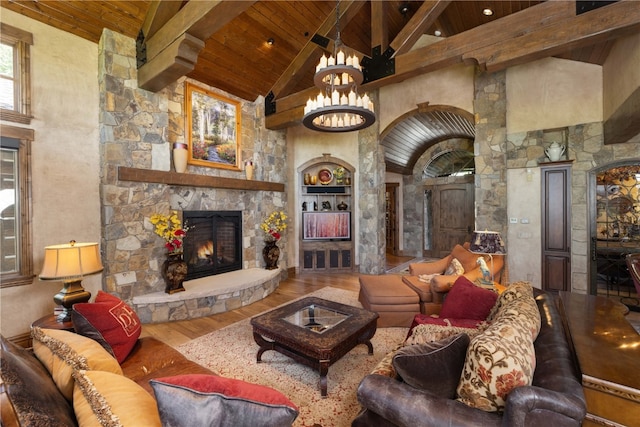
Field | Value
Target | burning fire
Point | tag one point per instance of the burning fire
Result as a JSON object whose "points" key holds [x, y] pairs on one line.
{"points": [[205, 251]]}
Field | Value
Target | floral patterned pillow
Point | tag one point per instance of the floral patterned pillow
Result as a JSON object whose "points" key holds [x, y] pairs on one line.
{"points": [[426, 333], [502, 357], [514, 291]]}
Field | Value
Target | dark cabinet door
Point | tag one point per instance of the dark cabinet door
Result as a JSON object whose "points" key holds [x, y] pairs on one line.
{"points": [[556, 227]]}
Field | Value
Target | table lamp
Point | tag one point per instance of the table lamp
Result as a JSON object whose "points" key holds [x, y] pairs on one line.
{"points": [[487, 243], [70, 263]]}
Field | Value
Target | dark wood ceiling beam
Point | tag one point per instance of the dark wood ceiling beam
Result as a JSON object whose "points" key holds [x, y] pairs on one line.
{"points": [[525, 32], [452, 50], [379, 25], [158, 14], [307, 56], [170, 52], [424, 18], [590, 28]]}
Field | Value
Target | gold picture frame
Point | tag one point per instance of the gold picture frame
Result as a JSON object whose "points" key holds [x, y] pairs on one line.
{"points": [[213, 126]]}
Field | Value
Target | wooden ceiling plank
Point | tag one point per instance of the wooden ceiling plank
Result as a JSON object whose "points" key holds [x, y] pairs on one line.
{"points": [[197, 20], [158, 14], [424, 17], [200, 19], [304, 59], [614, 20], [95, 15], [53, 17]]}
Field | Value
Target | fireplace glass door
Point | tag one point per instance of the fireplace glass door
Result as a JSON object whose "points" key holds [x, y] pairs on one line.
{"points": [[213, 242]]}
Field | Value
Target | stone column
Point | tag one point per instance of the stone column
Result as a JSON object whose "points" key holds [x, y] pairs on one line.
{"points": [[371, 202], [133, 126], [490, 106]]}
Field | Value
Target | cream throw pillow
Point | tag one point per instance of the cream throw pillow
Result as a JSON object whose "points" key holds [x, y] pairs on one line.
{"points": [[110, 400], [454, 269], [62, 352]]}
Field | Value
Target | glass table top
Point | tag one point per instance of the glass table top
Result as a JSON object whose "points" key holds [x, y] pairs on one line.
{"points": [[316, 318]]}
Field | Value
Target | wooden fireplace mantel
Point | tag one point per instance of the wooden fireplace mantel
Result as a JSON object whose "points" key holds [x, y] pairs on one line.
{"points": [[193, 180]]}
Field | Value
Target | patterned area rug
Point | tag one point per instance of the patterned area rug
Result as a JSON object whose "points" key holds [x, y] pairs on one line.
{"points": [[231, 352]]}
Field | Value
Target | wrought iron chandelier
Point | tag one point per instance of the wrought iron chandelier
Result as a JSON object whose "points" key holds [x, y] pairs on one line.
{"points": [[338, 107]]}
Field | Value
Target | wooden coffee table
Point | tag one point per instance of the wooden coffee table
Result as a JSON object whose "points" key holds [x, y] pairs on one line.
{"points": [[315, 332]]}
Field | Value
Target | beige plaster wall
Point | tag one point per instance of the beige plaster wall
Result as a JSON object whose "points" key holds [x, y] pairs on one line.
{"points": [[65, 161], [452, 86], [552, 93], [625, 55], [524, 232]]}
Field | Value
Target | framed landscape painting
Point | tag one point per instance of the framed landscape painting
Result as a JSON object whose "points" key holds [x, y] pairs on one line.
{"points": [[213, 127]]}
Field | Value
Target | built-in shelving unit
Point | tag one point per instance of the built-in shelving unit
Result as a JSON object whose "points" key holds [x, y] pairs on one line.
{"points": [[326, 221]]}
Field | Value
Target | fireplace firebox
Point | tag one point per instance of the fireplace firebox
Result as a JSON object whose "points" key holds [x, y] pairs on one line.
{"points": [[213, 244]]}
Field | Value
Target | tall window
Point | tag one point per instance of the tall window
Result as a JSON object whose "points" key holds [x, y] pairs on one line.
{"points": [[15, 70], [16, 255]]}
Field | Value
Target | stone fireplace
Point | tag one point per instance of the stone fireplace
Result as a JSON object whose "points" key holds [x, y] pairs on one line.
{"points": [[213, 244]]}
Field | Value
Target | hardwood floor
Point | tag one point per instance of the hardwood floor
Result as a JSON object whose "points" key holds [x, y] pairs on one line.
{"points": [[179, 332]]}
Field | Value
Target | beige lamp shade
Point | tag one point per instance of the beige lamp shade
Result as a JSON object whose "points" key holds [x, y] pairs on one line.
{"points": [[70, 261]]}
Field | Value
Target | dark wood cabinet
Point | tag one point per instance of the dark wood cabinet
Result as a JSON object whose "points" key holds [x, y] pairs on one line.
{"points": [[556, 226]]}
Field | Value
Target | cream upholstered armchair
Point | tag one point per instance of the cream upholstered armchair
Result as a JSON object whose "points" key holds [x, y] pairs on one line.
{"points": [[432, 280]]}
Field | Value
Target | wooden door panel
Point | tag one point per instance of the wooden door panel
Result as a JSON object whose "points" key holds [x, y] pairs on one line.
{"points": [[556, 273], [556, 227], [453, 217], [391, 219], [556, 215]]}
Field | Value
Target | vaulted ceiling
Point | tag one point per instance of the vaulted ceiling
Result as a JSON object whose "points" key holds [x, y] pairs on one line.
{"points": [[224, 43]]}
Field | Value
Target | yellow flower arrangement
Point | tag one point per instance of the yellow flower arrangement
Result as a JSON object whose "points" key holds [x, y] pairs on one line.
{"points": [[170, 229], [274, 224]]}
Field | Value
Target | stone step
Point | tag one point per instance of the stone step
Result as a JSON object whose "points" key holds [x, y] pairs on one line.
{"points": [[207, 295]]}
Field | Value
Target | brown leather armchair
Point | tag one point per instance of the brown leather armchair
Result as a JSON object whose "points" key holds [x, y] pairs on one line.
{"points": [[432, 294]]}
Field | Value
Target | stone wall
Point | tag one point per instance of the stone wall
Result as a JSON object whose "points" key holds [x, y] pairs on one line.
{"points": [[137, 129]]}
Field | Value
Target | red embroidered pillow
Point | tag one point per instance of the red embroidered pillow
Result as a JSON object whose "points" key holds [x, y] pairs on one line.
{"points": [[208, 400], [110, 321], [467, 301]]}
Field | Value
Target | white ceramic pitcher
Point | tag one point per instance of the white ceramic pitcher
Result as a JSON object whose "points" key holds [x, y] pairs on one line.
{"points": [[554, 152]]}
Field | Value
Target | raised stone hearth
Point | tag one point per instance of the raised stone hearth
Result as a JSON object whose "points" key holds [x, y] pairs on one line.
{"points": [[208, 295]]}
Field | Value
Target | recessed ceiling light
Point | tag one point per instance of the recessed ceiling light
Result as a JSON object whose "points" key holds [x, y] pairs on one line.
{"points": [[487, 11], [270, 41]]}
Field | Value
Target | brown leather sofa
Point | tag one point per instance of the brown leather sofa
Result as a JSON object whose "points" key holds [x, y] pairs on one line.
{"points": [[150, 358], [555, 398], [432, 294]]}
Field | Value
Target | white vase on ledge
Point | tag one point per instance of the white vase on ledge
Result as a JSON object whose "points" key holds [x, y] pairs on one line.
{"points": [[248, 169], [180, 157]]}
